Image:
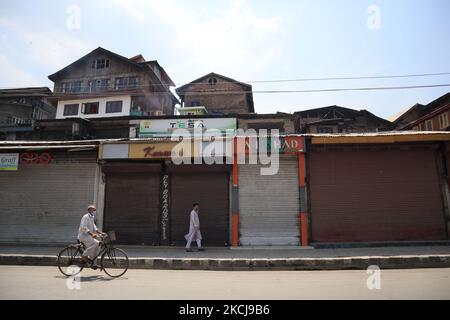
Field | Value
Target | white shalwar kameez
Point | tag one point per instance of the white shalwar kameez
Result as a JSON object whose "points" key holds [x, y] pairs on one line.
{"points": [[194, 231]]}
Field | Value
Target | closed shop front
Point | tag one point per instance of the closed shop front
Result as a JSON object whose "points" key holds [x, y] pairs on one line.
{"points": [[132, 205], [269, 204], [209, 186], [43, 201], [375, 193]]}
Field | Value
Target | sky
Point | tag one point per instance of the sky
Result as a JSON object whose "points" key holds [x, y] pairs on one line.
{"points": [[247, 40]]}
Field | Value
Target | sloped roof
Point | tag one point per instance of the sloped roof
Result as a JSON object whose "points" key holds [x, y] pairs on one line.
{"points": [[345, 111], [26, 92], [137, 61], [424, 110], [370, 114], [101, 50], [166, 79], [438, 102], [427, 115], [216, 75], [138, 58], [399, 116], [181, 90]]}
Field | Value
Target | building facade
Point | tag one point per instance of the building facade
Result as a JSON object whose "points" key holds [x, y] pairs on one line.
{"points": [[105, 84], [431, 117], [21, 108], [328, 189]]}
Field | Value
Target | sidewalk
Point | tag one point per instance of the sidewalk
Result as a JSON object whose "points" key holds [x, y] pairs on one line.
{"points": [[267, 258]]}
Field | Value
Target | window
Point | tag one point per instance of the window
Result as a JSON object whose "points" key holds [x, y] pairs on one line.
{"points": [[443, 121], [113, 106], [104, 84], [71, 87], [324, 130], [133, 82], [212, 81], [100, 64], [429, 125], [90, 108], [70, 110], [129, 82], [64, 87], [76, 86], [121, 83], [195, 104]]}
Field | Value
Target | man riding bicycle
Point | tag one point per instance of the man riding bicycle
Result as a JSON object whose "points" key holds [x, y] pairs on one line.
{"points": [[87, 233]]}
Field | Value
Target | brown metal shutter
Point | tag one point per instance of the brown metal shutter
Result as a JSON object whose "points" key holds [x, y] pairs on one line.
{"points": [[132, 207], [210, 190], [375, 194], [44, 203]]}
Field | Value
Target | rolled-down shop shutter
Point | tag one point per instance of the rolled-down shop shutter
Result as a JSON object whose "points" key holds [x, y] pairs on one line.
{"points": [[375, 194], [269, 204], [44, 203], [132, 203], [209, 186]]}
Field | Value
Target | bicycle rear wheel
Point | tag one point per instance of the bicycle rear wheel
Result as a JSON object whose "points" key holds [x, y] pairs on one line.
{"points": [[69, 260], [115, 262]]}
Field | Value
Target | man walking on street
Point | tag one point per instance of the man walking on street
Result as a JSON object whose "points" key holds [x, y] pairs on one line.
{"points": [[194, 230]]}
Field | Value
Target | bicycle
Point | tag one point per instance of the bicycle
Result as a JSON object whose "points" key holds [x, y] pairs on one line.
{"points": [[114, 261]]}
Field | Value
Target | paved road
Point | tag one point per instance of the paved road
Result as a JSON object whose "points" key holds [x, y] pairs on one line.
{"points": [[18, 282]]}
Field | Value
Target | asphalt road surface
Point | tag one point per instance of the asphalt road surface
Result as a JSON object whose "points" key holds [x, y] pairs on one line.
{"points": [[20, 282]]}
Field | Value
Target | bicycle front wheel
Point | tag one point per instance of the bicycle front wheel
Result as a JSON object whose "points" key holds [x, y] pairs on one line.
{"points": [[69, 260], [115, 262]]}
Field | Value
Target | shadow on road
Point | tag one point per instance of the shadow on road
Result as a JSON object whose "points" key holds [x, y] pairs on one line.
{"points": [[94, 278]]}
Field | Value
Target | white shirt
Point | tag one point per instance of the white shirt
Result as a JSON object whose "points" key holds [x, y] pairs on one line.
{"points": [[87, 225]]}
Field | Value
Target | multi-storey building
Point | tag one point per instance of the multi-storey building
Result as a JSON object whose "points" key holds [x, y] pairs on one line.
{"points": [[104, 84]]}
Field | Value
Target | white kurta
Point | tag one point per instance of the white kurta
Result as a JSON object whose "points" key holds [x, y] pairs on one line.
{"points": [[92, 245], [87, 225], [194, 228]]}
